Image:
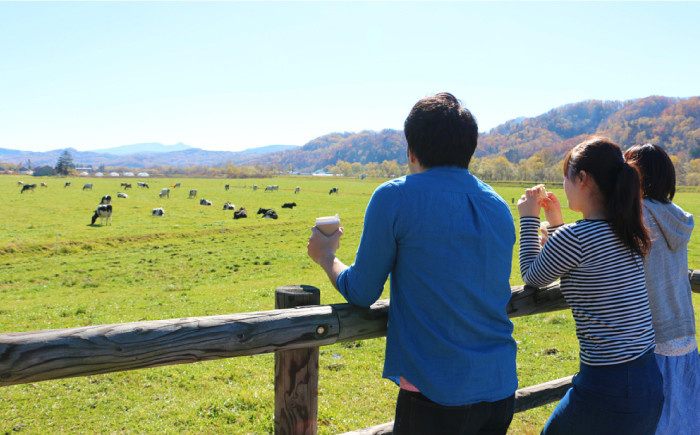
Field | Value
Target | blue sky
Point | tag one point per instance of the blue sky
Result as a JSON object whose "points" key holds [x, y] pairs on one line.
{"points": [[236, 75]]}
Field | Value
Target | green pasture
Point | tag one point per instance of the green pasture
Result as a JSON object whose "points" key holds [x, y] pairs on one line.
{"points": [[57, 271]]}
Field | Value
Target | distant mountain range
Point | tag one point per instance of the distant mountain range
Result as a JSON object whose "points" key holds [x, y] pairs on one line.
{"points": [[673, 123], [138, 156]]}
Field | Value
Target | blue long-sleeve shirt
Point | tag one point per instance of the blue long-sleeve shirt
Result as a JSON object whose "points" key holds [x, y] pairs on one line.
{"points": [[446, 239]]}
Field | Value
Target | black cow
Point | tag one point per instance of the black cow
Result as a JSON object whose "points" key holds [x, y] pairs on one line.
{"points": [[289, 205], [158, 212], [333, 190], [267, 213], [106, 200], [227, 187], [240, 213], [104, 211], [28, 187]]}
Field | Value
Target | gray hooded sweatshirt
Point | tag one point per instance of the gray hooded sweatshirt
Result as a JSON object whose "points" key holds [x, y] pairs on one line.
{"points": [[666, 270]]}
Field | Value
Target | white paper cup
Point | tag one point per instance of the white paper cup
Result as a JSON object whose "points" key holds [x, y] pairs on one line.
{"points": [[328, 224]]}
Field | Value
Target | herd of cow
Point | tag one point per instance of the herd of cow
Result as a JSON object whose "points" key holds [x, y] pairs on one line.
{"points": [[104, 209]]}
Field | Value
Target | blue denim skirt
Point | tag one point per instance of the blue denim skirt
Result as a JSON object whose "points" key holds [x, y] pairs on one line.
{"points": [[617, 400]]}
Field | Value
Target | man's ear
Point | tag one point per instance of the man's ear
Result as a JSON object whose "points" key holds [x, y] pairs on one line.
{"points": [[411, 156]]}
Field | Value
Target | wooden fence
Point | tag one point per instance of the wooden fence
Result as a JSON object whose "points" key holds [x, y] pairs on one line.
{"points": [[294, 331]]}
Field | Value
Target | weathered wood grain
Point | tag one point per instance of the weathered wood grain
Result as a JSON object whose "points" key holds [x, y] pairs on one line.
{"points": [[60, 353], [296, 372]]}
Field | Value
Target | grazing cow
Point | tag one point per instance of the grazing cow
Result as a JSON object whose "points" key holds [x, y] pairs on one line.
{"points": [[255, 187], [126, 185], [333, 190], [193, 193], [67, 184], [19, 183], [87, 186], [204, 202], [122, 195], [158, 212], [176, 185], [297, 190], [28, 187], [229, 206], [142, 184], [164, 193], [104, 211], [44, 185], [226, 187], [106, 200], [289, 205], [272, 188], [267, 213], [240, 213]]}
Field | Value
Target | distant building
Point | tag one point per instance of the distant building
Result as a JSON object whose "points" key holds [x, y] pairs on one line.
{"points": [[143, 174], [43, 171], [128, 174], [99, 174], [88, 170], [114, 174]]}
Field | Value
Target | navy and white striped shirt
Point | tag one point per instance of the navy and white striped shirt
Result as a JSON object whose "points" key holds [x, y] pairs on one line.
{"points": [[603, 282]]}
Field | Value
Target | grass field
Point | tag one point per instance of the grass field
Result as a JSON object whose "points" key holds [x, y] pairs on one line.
{"points": [[56, 271]]}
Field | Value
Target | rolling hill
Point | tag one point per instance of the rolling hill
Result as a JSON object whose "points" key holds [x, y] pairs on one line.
{"points": [[673, 123]]}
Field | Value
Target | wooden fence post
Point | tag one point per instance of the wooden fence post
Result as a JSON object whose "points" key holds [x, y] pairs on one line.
{"points": [[296, 371]]}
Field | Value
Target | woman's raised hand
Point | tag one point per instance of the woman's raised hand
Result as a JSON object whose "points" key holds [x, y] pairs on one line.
{"points": [[528, 205], [552, 210]]}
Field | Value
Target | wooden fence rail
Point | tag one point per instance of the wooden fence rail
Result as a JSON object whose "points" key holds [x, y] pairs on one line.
{"points": [[60, 353]]}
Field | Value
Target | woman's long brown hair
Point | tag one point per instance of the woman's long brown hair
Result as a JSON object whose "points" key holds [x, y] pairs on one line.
{"points": [[619, 184]]}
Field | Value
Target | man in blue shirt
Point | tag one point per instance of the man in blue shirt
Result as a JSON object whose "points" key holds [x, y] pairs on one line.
{"points": [[446, 240]]}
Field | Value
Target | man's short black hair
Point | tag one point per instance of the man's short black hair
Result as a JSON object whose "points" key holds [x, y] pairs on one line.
{"points": [[441, 132]]}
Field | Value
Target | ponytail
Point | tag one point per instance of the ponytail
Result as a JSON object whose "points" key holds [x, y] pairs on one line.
{"points": [[625, 210], [620, 187]]}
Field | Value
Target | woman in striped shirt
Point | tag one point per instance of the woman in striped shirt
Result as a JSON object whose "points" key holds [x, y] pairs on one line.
{"points": [[618, 389]]}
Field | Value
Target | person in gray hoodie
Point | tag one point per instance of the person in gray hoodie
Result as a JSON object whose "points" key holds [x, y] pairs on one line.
{"points": [[666, 270]]}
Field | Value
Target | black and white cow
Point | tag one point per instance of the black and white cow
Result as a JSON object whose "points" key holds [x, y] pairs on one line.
{"points": [[297, 190], [67, 184], [104, 211], [226, 187], [289, 205], [272, 188], [255, 187], [28, 187], [193, 193], [142, 184], [107, 199], [240, 213], [158, 212], [165, 193], [229, 206], [87, 186], [204, 202], [333, 190], [122, 195], [267, 213]]}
